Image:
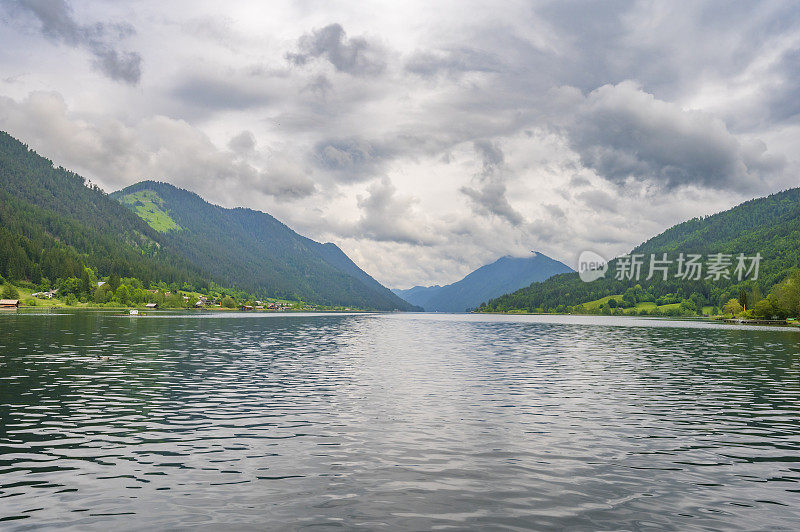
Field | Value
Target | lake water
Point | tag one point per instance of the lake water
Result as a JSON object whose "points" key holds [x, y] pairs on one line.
{"points": [[409, 421]]}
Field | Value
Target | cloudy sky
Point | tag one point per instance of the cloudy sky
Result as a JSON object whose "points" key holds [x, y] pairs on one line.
{"points": [[425, 140]]}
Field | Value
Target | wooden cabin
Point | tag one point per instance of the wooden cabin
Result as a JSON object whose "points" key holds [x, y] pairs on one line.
{"points": [[9, 303]]}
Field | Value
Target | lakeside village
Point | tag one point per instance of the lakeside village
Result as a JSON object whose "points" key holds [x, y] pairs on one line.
{"points": [[114, 292]]}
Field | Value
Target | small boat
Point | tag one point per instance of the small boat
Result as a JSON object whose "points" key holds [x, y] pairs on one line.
{"points": [[134, 312]]}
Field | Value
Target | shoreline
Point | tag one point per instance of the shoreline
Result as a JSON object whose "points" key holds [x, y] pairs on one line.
{"points": [[145, 311], [125, 311], [728, 321]]}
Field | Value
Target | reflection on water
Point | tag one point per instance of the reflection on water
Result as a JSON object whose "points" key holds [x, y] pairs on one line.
{"points": [[402, 421]]}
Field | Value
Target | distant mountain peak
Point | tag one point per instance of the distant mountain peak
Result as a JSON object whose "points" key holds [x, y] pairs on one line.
{"points": [[506, 274]]}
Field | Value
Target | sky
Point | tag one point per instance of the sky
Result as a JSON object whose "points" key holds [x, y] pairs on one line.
{"points": [[424, 138]]}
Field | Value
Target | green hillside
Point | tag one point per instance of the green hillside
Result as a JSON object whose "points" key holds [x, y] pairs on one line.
{"points": [[52, 225], [769, 226], [58, 233], [150, 208], [255, 252]]}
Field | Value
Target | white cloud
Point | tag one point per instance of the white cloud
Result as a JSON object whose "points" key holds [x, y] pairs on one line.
{"points": [[57, 23], [114, 154], [426, 140], [623, 133]]}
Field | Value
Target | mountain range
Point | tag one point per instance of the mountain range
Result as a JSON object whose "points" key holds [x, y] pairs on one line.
{"points": [[505, 275], [52, 225]]}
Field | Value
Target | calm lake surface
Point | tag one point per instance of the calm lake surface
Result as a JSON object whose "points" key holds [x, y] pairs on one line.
{"points": [[401, 421]]}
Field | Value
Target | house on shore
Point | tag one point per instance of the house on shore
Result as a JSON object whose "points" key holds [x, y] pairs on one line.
{"points": [[246, 307], [9, 303], [151, 305], [50, 294]]}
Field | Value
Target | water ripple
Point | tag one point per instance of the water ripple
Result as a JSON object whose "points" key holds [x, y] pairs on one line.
{"points": [[396, 421]]}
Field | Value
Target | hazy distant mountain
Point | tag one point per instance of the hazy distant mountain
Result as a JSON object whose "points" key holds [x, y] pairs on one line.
{"points": [[419, 295], [253, 251], [505, 275]]}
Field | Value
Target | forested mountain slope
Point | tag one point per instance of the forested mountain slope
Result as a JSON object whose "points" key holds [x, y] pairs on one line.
{"points": [[52, 224], [769, 226], [253, 251]]}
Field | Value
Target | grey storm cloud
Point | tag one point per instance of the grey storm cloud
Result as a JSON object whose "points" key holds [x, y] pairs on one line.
{"points": [[387, 216], [599, 200], [206, 92], [578, 181], [357, 159], [58, 24], [356, 55], [491, 155], [320, 85], [243, 143], [622, 133], [453, 61], [489, 194], [555, 211], [286, 180], [351, 159], [784, 101]]}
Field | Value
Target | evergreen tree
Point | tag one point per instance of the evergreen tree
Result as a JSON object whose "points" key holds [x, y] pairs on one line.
{"points": [[10, 292], [743, 301]]}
